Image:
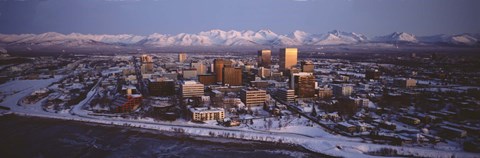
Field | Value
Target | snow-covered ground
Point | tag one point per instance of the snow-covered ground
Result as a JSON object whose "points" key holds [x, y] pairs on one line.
{"points": [[299, 131]]}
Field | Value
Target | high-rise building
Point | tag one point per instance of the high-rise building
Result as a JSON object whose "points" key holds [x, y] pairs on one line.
{"points": [[248, 67], [253, 97], [264, 72], [161, 87], [361, 102], [218, 69], [189, 74], [324, 93], [207, 79], [288, 58], [248, 77], [261, 84], [304, 84], [342, 90], [232, 76], [286, 95], [372, 74], [307, 66], [182, 57], [171, 75], [146, 68], [147, 64], [264, 57], [191, 89], [227, 63], [201, 68], [146, 59]]}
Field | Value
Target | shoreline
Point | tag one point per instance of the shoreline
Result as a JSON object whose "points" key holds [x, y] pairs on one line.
{"points": [[153, 133], [320, 146]]}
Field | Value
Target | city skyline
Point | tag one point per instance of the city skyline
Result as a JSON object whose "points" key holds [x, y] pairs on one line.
{"points": [[372, 18], [240, 78]]}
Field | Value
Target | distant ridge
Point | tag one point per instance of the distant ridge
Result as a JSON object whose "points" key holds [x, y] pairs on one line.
{"points": [[218, 37]]}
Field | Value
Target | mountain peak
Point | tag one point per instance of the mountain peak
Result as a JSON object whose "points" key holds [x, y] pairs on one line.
{"points": [[265, 30], [335, 32], [217, 37], [397, 37]]}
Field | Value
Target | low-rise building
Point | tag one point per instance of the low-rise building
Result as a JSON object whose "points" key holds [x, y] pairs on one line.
{"points": [[307, 66], [129, 104], [205, 113], [405, 82], [286, 95], [452, 132], [346, 127], [410, 120]]}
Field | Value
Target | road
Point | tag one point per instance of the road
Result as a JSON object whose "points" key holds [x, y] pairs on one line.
{"points": [[294, 109]]}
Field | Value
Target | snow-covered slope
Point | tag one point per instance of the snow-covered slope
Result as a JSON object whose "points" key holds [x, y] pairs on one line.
{"points": [[397, 37], [337, 37], [218, 37], [462, 39]]}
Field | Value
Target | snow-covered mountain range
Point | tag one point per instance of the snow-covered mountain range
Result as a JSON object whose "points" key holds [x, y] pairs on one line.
{"points": [[402, 37], [217, 37]]}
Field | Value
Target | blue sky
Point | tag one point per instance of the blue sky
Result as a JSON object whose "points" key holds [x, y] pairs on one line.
{"points": [[143, 17]]}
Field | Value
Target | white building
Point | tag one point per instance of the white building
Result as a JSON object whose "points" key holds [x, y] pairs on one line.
{"points": [[253, 97], [205, 113], [192, 89]]}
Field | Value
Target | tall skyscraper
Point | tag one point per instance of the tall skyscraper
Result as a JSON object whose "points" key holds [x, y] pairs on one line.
{"points": [[288, 58], [182, 57], [304, 84], [264, 58], [232, 76], [218, 69], [146, 59], [146, 68], [161, 87], [147, 64], [201, 68]]}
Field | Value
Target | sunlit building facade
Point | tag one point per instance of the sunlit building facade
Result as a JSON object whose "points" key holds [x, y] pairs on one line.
{"points": [[264, 58], [288, 58]]}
